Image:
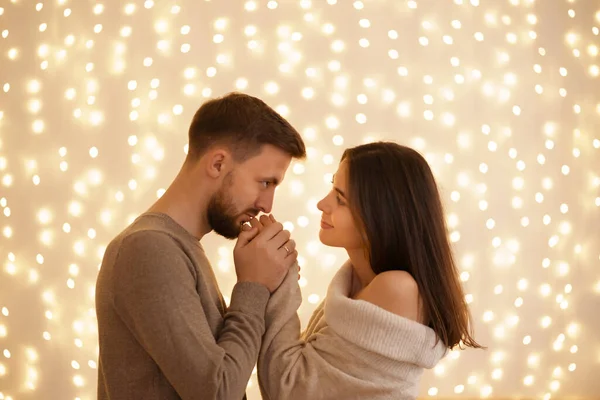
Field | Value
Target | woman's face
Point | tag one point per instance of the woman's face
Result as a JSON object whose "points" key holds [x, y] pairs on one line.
{"points": [[338, 228]]}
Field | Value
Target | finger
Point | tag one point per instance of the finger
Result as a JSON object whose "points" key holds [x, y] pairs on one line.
{"points": [[283, 252], [245, 236], [291, 258], [290, 245], [265, 220], [280, 239], [256, 224], [268, 232]]}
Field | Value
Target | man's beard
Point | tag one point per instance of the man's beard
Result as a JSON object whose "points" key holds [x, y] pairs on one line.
{"points": [[222, 213]]}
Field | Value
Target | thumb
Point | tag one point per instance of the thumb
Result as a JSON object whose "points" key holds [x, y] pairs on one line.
{"points": [[246, 235]]}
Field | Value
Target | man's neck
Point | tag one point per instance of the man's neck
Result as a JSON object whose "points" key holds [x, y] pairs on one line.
{"points": [[182, 203]]}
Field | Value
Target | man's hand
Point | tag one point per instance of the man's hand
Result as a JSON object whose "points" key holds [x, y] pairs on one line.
{"points": [[264, 255]]}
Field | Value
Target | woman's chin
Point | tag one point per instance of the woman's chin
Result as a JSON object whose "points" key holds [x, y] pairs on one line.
{"points": [[324, 239]]}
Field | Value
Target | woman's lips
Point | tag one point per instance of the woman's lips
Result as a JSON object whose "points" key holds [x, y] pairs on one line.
{"points": [[325, 225]]}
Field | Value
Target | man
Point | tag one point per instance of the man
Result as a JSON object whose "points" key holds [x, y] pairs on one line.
{"points": [[164, 329]]}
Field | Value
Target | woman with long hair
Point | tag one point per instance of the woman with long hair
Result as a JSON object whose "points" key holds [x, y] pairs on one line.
{"points": [[392, 310]]}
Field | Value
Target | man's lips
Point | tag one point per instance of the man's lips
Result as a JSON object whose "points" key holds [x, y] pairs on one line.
{"points": [[247, 217]]}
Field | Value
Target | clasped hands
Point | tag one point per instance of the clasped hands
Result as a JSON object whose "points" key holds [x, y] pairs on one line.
{"points": [[264, 252]]}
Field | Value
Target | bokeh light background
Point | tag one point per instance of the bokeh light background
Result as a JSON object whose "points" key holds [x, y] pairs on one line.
{"points": [[503, 98]]}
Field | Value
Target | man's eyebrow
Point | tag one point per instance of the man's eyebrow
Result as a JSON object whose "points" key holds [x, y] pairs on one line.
{"points": [[275, 181]]}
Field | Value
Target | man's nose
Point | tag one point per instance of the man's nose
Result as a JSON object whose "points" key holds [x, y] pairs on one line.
{"points": [[265, 202]]}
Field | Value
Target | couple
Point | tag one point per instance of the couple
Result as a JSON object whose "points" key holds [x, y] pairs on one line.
{"points": [[392, 309]]}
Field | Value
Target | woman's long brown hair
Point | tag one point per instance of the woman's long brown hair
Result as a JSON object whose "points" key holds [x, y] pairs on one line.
{"points": [[395, 200]]}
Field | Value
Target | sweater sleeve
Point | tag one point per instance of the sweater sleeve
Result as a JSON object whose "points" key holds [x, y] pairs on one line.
{"points": [[155, 295], [293, 366]]}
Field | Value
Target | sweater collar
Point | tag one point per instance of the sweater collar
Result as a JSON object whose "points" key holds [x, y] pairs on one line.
{"points": [[377, 330]]}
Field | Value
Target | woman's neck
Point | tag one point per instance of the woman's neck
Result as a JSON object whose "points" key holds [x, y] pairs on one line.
{"points": [[363, 274]]}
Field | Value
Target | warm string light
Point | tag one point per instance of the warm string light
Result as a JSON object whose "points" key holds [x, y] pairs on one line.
{"points": [[101, 98]]}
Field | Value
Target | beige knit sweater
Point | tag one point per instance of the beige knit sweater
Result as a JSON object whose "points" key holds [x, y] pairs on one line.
{"points": [[351, 349]]}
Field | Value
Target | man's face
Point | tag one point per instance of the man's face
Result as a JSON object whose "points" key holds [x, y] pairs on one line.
{"points": [[247, 190]]}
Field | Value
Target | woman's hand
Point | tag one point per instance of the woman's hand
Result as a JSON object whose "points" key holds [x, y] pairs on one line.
{"points": [[266, 220]]}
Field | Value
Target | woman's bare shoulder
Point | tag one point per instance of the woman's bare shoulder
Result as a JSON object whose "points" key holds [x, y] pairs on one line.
{"points": [[394, 291]]}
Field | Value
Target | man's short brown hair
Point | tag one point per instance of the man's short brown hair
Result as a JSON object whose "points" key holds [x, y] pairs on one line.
{"points": [[244, 124]]}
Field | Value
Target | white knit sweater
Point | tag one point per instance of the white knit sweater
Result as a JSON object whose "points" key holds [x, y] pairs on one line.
{"points": [[351, 349]]}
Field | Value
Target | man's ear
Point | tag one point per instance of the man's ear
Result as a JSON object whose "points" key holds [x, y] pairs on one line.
{"points": [[218, 163]]}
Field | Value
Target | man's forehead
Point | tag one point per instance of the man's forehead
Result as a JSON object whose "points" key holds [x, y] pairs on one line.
{"points": [[273, 160], [260, 172]]}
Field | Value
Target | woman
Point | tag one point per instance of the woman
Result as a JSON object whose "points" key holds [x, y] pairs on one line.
{"points": [[393, 308]]}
